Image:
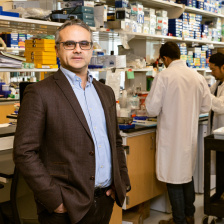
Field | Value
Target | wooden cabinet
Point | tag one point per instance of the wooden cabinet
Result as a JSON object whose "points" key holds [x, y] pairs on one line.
{"points": [[116, 217], [141, 168]]}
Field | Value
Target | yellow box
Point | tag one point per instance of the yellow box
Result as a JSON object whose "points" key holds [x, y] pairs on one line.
{"points": [[39, 53], [37, 57], [40, 49], [39, 45], [45, 66], [40, 41], [39, 61]]}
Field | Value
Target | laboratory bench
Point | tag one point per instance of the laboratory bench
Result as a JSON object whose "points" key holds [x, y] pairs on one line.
{"points": [[6, 162]]}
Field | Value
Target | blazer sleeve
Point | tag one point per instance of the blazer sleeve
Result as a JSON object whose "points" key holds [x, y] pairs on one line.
{"points": [[28, 140]]}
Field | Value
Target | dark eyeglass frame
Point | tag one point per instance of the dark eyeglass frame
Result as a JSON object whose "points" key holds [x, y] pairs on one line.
{"points": [[75, 43]]}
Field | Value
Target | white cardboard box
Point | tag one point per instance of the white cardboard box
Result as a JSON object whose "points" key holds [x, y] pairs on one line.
{"points": [[219, 133], [116, 61]]}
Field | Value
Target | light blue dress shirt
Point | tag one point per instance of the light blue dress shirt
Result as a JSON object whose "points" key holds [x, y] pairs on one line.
{"points": [[95, 117]]}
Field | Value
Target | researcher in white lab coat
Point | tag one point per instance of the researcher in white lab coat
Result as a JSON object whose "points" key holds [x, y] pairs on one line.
{"points": [[177, 97], [216, 118]]}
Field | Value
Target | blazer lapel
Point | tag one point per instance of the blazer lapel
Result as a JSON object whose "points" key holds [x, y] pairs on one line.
{"points": [[104, 100], [68, 92]]}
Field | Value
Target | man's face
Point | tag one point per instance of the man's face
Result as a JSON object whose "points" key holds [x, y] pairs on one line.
{"points": [[77, 59], [217, 72]]}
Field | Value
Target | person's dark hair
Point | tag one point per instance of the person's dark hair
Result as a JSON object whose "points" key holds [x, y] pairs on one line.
{"points": [[217, 59], [77, 22], [171, 50]]}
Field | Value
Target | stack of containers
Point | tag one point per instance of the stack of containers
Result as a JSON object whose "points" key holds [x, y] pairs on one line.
{"points": [[85, 13], [190, 3], [190, 59], [203, 57], [197, 56], [183, 51], [185, 19], [21, 40], [137, 17], [213, 6], [197, 27], [217, 29], [10, 39], [208, 53], [200, 4], [161, 22], [204, 31], [123, 13], [149, 21], [175, 27], [41, 52], [207, 5]]}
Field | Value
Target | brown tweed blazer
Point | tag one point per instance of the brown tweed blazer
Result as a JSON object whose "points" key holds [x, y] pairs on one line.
{"points": [[54, 149]]}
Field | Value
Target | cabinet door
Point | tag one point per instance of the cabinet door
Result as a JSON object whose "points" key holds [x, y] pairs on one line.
{"points": [[116, 217], [4, 111], [141, 169]]}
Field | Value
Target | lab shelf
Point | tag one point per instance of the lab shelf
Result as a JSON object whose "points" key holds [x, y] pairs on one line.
{"points": [[28, 70], [11, 49], [31, 26], [202, 12]]}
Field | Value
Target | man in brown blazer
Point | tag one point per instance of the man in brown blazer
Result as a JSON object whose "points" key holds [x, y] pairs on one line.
{"points": [[67, 143]]}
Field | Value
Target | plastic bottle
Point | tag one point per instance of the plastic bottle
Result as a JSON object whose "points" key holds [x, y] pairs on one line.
{"points": [[118, 109]]}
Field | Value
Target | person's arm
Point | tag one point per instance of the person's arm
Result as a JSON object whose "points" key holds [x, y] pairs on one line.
{"points": [[29, 138], [218, 104], [206, 99], [155, 97]]}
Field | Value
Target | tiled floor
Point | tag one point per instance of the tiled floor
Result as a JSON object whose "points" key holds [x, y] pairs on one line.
{"points": [[156, 216]]}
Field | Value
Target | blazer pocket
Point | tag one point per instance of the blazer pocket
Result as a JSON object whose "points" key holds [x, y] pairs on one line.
{"points": [[58, 169]]}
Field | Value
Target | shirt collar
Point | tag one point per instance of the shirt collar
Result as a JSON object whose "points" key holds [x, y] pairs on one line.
{"points": [[73, 78], [177, 62]]}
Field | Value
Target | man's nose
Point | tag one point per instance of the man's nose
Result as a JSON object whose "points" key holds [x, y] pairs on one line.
{"points": [[77, 48]]}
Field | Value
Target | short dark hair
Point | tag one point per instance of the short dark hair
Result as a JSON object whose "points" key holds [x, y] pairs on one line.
{"points": [[171, 50], [217, 59], [77, 22]]}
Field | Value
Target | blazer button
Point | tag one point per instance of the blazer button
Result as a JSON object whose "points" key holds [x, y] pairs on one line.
{"points": [[92, 178], [91, 153]]}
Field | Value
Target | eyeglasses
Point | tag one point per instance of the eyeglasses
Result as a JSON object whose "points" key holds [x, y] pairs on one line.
{"points": [[71, 45]]}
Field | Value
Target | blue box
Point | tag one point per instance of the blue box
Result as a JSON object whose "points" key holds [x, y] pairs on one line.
{"points": [[198, 18], [200, 5], [121, 4], [184, 16], [84, 9], [12, 14], [85, 16]]}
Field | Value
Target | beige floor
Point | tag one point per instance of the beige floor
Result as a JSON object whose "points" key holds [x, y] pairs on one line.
{"points": [[155, 216]]}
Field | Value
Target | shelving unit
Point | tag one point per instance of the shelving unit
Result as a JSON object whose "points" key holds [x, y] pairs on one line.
{"points": [[28, 70], [12, 49], [32, 26]]}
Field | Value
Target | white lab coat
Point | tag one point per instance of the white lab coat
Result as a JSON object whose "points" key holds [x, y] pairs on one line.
{"points": [[217, 107], [177, 97]]}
